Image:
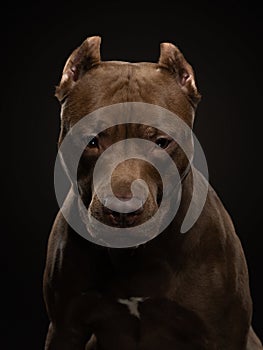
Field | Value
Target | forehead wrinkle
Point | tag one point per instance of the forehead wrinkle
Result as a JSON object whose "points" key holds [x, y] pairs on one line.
{"points": [[92, 126]]}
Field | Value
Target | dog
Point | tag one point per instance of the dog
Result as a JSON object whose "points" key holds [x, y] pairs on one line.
{"points": [[175, 291]]}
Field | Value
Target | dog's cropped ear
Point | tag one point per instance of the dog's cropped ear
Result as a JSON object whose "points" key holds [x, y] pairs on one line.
{"points": [[172, 59], [79, 62]]}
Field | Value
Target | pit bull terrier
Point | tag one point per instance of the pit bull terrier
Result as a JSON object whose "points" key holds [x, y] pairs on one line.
{"points": [[177, 291]]}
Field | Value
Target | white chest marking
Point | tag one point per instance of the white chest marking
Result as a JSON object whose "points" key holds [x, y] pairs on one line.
{"points": [[132, 304]]}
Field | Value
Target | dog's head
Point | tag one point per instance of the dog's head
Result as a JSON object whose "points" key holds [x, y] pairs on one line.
{"points": [[88, 84]]}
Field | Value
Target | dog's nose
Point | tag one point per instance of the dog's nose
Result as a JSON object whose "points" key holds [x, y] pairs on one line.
{"points": [[123, 211]]}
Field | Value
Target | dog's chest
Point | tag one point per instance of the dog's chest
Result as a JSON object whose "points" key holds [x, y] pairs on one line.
{"points": [[132, 277]]}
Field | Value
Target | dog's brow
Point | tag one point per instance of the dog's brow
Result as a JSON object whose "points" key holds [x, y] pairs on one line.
{"points": [[151, 131], [91, 125], [105, 133]]}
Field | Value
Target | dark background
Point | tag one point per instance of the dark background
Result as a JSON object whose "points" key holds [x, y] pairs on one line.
{"points": [[222, 42]]}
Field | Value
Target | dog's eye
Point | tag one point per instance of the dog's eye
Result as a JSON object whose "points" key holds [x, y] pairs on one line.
{"points": [[94, 142], [162, 142]]}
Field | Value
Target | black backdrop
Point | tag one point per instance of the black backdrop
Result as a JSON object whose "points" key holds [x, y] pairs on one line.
{"points": [[222, 42]]}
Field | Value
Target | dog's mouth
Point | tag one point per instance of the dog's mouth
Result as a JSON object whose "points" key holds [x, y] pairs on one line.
{"points": [[123, 212], [124, 226], [122, 220]]}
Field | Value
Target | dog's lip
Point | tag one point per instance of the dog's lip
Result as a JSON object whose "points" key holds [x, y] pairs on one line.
{"points": [[124, 220], [132, 219], [123, 225], [108, 211], [120, 237]]}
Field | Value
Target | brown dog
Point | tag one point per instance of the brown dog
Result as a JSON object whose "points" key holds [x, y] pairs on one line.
{"points": [[176, 291]]}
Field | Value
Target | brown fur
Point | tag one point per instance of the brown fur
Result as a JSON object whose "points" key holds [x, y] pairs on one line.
{"points": [[195, 285]]}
